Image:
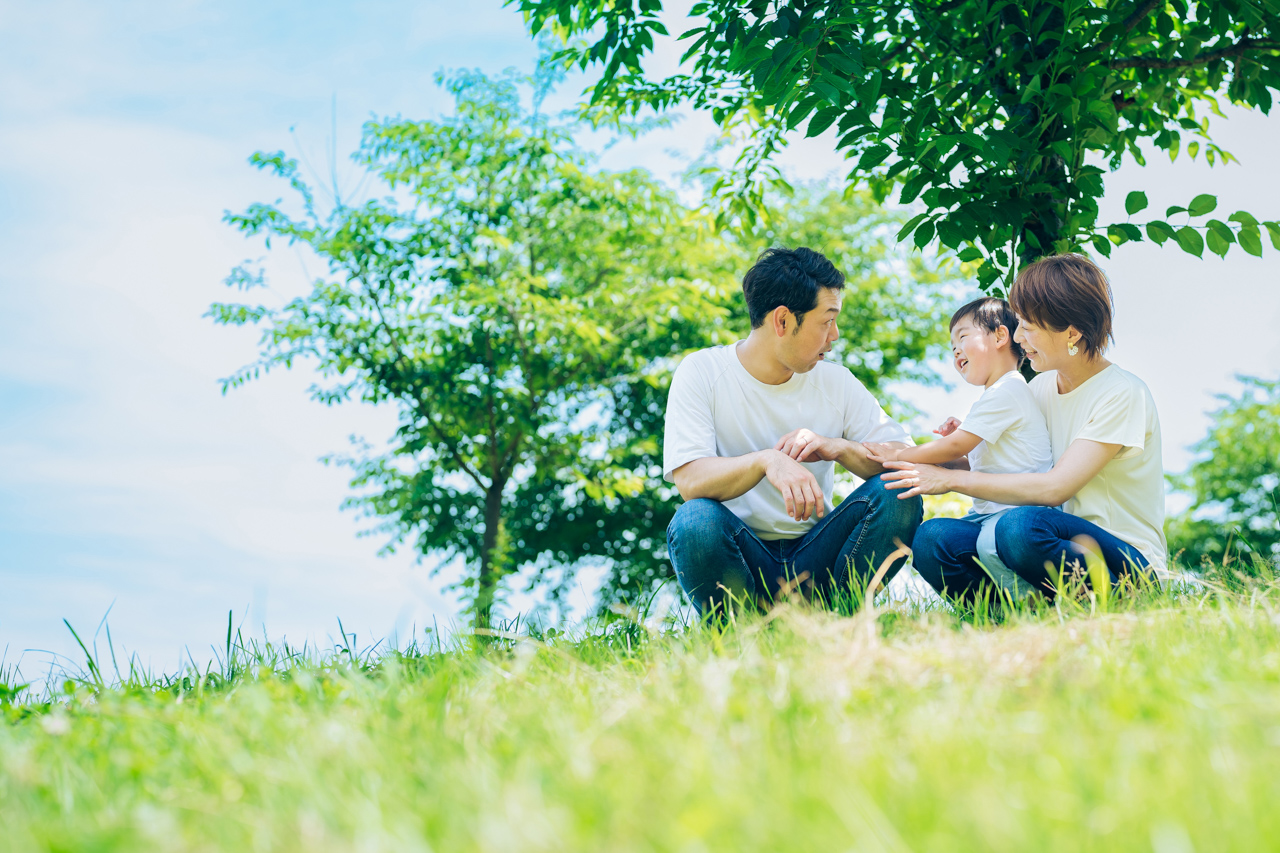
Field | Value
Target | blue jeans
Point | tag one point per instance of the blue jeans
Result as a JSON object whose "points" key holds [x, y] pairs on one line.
{"points": [[716, 555], [1027, 537]]}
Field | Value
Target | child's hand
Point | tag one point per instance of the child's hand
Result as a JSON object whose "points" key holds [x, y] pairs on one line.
{"points": [[949, 426], [881, 453]]}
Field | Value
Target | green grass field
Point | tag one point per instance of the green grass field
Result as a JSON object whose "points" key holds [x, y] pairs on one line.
{"points": [[1154, 728]]}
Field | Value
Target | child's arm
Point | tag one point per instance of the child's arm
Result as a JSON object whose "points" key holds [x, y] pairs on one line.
{"points": [[946, 449]]}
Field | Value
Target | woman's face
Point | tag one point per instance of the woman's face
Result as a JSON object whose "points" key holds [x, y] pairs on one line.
{"points": [[1045, 348]]}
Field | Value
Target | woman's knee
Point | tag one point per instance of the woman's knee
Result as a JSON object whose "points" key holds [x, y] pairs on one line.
{"points": [[1024, 534]]}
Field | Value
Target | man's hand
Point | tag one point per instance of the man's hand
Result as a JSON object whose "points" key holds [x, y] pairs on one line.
{"points": [[799, 487], [882, 453], [805, 445], [949, 426]]}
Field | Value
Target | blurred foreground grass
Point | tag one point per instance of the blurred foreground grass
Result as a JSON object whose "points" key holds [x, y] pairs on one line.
{"points": [[1157, 728]]}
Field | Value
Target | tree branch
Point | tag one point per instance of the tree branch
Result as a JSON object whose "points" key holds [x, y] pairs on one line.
{"points": [[1128, 24], [1238, 49]]}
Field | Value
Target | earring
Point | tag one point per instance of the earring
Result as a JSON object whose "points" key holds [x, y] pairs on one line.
{"points": [[1072, 349]]}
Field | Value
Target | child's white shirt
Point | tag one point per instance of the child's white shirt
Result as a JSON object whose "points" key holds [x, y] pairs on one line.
{"points": [[1015, 439]]}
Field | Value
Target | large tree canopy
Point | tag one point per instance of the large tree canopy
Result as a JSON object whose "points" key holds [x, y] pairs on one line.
{"points": [[998, 117]]}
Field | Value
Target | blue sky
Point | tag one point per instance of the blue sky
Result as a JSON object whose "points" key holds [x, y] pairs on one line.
{"points": [[125, 475]]}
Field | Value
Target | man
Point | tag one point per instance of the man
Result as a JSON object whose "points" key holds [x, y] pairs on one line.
{"points": [[753, 432]]}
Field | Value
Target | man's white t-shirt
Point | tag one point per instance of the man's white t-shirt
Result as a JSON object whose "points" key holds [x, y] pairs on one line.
{"points": [[717, 408], [1014, 437], [1125, 498]]}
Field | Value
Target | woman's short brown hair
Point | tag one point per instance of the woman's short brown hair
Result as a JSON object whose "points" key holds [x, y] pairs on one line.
{"points": [[1066, 290]]}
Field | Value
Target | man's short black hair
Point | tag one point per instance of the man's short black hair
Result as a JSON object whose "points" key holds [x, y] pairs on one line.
{"points": [[789, 277], [990, 313]]}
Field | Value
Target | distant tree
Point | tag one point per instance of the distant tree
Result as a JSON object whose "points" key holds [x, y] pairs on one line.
{"points": [[523, 312], [1234, 483], [510, 303], [999, 118]]}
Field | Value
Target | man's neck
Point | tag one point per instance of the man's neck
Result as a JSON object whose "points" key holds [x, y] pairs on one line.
{"points": [[756, 355]]}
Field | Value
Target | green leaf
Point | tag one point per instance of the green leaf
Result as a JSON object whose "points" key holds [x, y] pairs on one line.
{"points": [[1273, 230], [970, 254], [1190, 241], [1202, 204], [1160, 232], [924, 234], [1244, 218], [1103, 245], [1222, 229], [1124, 233], [1172, 210], [1251, 240], [1134, 202], [873, 156], [1217, 245], [911, 225], [823, 120], [913, 188]]}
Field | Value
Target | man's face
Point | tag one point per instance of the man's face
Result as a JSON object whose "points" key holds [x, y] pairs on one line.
{"points": [[805, 345]]}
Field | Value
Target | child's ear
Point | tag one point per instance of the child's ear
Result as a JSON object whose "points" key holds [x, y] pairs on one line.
{"points": [[1002, 336]]}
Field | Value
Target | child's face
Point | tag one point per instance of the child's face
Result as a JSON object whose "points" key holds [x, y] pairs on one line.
{"points": [[977, 353]]}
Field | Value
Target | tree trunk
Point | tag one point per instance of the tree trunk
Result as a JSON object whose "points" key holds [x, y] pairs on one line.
{"points": [[490, 556]]}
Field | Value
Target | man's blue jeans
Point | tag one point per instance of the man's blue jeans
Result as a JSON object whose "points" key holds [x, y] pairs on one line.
{"points": [[1027, 537], [717, 556]]}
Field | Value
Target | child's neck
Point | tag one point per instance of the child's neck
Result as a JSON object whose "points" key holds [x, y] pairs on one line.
{"points": [[1002, 367]]}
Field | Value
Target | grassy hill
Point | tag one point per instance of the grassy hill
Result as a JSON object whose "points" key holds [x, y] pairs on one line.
{"points": [[1155, 728]]}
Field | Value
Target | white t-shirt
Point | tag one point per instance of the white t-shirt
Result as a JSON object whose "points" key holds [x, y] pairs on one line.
{"points": [[1014, 437], [1125, 498], [717, 408]]}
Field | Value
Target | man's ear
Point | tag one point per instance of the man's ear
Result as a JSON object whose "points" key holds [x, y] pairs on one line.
{"points": [[783, 320]]}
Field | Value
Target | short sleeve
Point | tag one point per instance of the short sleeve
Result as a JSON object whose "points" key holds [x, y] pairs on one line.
{"points": [[866, 420], [1119, 418], [690, 431], [995, 412]]}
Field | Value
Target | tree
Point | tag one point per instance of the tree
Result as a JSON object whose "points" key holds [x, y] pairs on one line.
{"points": [[999, 118], [1234, 484], [510, 303], [523, 313]]}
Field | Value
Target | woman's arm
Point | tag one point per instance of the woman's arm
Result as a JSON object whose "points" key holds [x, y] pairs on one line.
{"points": [[1080, 464]]}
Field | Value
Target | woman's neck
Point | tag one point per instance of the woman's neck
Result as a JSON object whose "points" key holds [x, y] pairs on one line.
{"points": [[1076, 372]]}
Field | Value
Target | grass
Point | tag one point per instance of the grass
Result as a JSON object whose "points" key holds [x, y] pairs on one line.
{"points": [[1155, 726]]}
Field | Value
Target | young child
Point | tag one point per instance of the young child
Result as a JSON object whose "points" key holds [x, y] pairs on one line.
{"points": [[1005, 432]]}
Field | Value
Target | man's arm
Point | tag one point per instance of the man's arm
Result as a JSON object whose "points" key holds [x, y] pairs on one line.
{"points": [[805, 445], [723, 478]]}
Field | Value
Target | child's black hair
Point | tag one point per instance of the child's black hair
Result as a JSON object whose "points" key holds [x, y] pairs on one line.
{"points": [[990, 313]]}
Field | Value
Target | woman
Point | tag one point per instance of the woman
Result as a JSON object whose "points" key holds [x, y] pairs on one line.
{"points": [[1105, 437]]}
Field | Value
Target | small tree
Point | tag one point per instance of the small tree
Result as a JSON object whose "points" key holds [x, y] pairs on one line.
{"points": [[1000, 118], [511, 304], [1235, 482]]}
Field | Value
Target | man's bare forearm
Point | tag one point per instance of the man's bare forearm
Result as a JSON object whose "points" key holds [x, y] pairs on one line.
{"points": [[721, 478]]}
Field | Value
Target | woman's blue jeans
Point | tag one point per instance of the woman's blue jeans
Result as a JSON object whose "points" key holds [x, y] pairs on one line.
{"points": [[716, 555], [1027, 538]]}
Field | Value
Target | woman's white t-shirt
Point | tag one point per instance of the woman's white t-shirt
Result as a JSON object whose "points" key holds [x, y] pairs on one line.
{"points": [[1125, 498], [717, 408], [1014, 438]]}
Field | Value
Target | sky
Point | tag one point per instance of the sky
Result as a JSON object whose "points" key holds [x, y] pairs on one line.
{"points": [[129, 483]]}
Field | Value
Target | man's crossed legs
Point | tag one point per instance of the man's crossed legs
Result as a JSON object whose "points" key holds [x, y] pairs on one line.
{"points": [[717, 556]]}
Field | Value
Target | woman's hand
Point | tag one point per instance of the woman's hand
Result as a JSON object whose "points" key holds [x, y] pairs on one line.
{"points": [[916, 478]]}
